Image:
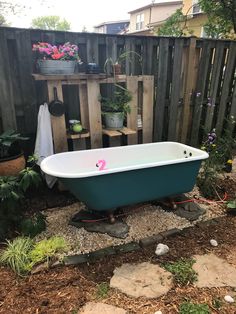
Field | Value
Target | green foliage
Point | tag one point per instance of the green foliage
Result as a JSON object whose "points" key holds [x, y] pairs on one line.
{"points": [[192, 308], [175, 25], [12, 190], [34, 225], [102, 290], [29, 177], [47, 248], [7, 139], [16, 255], [182, 271], [51, 22], [119, 102], [123, 57], [22, 253], [221, 18], [231, 204], [220, 154], [217, 303]]}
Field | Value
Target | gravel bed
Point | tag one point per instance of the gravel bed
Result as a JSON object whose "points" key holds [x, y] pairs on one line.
{"points": [[143, 222]]}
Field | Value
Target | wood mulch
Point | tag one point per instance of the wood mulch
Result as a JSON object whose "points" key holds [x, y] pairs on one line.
{"points": [[67, 289]]}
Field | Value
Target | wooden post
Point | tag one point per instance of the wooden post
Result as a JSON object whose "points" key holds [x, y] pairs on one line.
{"points": [[189, 87], [175, 90], [147, 117], [132, 86], [230, 67], [94, 110], [161, 89], [6, 91], [58, 123]]}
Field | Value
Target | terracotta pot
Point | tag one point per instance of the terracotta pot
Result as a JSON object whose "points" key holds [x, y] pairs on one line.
{"points": [[116, 68], [12, 166]]}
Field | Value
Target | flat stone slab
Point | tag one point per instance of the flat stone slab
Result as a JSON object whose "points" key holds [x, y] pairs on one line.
{"points": [[214, 272], [142, 280], [101, 308], [118, 229]]}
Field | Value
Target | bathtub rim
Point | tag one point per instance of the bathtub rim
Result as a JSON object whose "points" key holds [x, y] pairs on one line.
{"points": [[61, 174]]}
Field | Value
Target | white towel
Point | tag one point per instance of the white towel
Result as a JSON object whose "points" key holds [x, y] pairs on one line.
{"points": [[44, 140]]}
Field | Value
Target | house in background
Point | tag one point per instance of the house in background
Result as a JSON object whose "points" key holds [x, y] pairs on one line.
{"points": [[195, 17], [143, 20], [115, 27]]}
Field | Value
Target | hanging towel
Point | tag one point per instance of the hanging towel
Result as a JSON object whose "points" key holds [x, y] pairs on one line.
{"points": [[44, 141]]}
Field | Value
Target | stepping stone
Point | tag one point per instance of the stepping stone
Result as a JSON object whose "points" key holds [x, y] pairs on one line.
{"points": [[214, 272], [142, 280], [101, 308]]}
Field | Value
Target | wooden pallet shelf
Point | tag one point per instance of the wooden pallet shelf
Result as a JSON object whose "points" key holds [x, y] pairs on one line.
{"points": [[90, 109], [124, 131]]}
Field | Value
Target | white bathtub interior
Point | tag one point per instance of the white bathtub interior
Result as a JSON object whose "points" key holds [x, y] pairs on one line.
{"points": [[123, 158]]}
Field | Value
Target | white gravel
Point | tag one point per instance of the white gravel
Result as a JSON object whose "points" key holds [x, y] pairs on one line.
{"points": [[143, 222]]}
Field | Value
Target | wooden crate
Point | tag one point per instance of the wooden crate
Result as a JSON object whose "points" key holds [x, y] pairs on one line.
{"points": [[90, 109]]}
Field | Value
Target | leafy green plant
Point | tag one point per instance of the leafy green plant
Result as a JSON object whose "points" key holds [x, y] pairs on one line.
{"points": [[123, 56], [220, 150], [217, 303], [192, 308], [102, 290], [182, 271], [12, 191], [23, 253], [7, 139], [33, 225], [16, 255], [47, 248], [119, 102]]}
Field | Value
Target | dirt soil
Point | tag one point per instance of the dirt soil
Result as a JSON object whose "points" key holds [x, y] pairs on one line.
{"points": [[67, 289]]}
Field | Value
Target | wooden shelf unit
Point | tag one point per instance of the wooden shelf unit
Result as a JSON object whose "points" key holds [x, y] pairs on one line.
{"points": [[90, 108]]}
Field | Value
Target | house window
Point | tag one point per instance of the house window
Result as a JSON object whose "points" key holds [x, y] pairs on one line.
{"points": [[140, 21], [196, 7]]}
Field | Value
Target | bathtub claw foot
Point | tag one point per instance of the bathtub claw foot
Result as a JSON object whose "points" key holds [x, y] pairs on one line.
{"points": [[111, 217]]}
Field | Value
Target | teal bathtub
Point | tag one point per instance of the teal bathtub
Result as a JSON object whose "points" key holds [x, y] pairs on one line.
{"points": [[132, 174]]}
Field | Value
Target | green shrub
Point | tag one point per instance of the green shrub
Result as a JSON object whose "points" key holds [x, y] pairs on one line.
{"points": [[22, 253], [33, 225], [191, 308], [45, 249], [182, 271], [12, 191], [16, 255]]}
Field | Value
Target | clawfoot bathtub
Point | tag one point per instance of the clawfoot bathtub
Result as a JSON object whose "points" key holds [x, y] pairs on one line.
{"points": [[132, 174]]}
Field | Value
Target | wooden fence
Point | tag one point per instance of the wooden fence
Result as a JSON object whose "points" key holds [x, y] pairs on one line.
{"points": [[195, 88]]}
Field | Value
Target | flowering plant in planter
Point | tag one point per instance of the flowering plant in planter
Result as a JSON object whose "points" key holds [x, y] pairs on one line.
{"points": [[47, 51]]}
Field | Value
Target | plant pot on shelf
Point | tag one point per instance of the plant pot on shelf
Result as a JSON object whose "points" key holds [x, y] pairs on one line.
{"points": [[11, 166], [114, 120], [50, 67], [116, 69]]}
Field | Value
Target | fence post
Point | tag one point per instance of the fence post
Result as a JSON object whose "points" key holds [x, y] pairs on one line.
{"points": [[189, 87], [7, 107]]}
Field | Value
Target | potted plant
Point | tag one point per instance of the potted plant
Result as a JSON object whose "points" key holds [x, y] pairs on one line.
{"points": [[115, 108], [53, 59], [12, 160], [115, 66]]}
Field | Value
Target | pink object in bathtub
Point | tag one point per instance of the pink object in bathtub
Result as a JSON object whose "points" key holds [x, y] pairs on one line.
{"points": [[101, 164]]}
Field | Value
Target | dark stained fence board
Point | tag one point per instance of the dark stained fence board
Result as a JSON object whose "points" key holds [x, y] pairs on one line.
{"points": [[28, 95], [130, 60], [205, 59], [229, 71], [175, 90], [161, 89], [232, 117], [92, 49], [215, 80], [6, 100]]}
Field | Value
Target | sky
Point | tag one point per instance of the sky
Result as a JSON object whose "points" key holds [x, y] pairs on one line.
{"points": [[80, 14]]}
